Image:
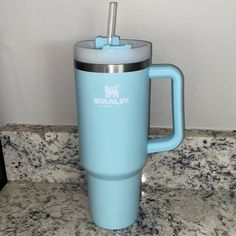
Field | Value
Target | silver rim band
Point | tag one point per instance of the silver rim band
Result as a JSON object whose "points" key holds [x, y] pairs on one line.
{"points": [[112, 68]]}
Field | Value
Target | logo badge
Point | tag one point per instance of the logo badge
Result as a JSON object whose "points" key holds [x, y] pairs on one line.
{"points": [[111, 91], [111, 97]]}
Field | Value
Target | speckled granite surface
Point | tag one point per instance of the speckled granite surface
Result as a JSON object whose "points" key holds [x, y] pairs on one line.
{"points": [[205, 160], [46, 209], [190, 191], [41, 153]]}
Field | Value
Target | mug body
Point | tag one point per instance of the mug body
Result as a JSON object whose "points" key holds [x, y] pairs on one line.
{"points": [[112, 90]]}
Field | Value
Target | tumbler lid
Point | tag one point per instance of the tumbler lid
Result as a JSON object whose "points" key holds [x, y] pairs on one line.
{"points": [[88, 52]]}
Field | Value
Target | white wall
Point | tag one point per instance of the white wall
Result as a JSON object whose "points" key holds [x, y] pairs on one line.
{"points": [[36, 64]]}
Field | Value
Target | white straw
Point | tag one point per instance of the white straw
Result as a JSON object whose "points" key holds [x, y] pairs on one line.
{"points": [[111, 27]]}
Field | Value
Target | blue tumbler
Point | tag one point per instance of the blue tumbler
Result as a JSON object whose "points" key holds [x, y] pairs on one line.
{"points": [[113, 92]]}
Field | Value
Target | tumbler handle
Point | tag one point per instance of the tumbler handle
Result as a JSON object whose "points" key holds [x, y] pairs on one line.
{"points": [[176, 137]]}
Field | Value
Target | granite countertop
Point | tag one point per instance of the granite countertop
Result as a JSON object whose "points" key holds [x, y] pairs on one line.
{"points": [[61, 209], [189, 191]]}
